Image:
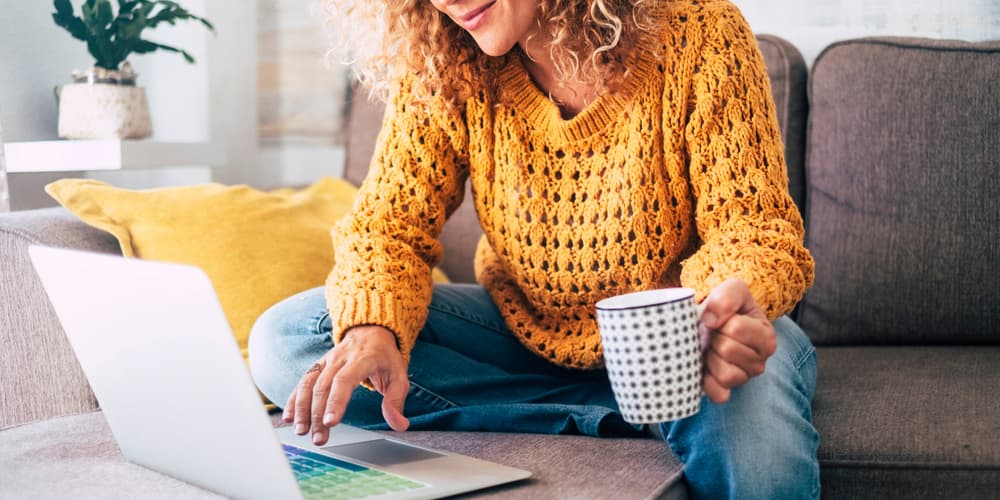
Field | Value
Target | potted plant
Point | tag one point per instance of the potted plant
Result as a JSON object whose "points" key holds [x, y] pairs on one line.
{"points": [[104, 101]]}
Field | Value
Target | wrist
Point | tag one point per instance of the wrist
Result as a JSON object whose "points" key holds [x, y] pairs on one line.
{"points": [[369, 333]]}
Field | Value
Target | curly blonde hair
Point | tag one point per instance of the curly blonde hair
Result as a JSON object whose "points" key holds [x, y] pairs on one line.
{"points": [[387, 39]]}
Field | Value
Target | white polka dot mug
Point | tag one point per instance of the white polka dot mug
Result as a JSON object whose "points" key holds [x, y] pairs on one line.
{"points": [[652, 353]]}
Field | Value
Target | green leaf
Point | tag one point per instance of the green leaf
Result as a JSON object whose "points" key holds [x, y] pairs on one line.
{"points": [[166, 15], [172, 13], [135, 25], [63, 7], [206, 24], [89, 11], [125, 14], [74, 26], [90, 17], [144, 46], [104, 12], [97, 16], [126, 5], [111, 37], [103, 58], [64, 18]]}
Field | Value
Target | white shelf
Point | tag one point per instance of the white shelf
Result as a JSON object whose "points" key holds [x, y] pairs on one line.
{"points": [[69, 156]]}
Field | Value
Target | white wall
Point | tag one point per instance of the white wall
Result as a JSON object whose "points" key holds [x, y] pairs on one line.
{"points": [[213, 100], [34, 57], [301, 99], [813, 24], [232, 63]]}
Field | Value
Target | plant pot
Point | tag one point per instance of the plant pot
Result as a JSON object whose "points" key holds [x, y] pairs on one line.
{"points": [[103, 104]]}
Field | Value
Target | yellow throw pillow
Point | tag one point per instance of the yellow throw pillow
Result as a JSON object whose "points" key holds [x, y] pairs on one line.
{"points": [[256, 247]]}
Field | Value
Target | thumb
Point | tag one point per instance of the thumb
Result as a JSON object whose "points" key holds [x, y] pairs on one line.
{"points": [[729, 298], [392, 405]]}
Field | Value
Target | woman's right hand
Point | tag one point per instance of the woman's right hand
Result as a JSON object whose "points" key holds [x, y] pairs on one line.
{"points": [[320, 399]]}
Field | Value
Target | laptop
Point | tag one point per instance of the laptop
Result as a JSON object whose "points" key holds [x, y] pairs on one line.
{"points": [[165, 367]]}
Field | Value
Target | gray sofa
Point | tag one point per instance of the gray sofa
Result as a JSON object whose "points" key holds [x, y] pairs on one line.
{"points": [[893, 149]]}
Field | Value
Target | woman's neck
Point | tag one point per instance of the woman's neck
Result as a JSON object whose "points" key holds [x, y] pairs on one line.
{"points": [[571, 96]]}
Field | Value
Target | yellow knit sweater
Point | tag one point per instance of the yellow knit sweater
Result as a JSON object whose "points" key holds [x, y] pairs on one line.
{"points": [[678, 179]]}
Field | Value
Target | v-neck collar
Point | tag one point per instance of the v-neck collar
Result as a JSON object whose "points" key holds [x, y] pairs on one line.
{"points": [[526, 97]]}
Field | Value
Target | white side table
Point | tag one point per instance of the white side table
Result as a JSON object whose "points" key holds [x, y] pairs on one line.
{"points": [[72, 156]]}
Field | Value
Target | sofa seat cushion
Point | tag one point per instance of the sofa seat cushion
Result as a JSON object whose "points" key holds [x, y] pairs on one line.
{"points": [[76, 457], [925, 420], [569, 467]]}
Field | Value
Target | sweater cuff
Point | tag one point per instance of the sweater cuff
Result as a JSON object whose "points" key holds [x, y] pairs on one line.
{"points": [[375, 308]]}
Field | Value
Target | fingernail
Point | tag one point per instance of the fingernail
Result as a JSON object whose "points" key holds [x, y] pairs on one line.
{"points": [[328, 419], [301, 429], [317, 437]]}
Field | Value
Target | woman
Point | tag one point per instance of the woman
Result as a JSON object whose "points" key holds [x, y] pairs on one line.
{"points": [[612, 146]]}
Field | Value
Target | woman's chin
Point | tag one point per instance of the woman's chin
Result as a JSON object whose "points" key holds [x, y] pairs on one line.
{"points": [[494, 48]]}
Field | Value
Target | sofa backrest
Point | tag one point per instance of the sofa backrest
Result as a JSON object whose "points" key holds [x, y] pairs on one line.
{"points": [[39, 374], [785, 67], [903, 193], [788, 74], [461, 232]]}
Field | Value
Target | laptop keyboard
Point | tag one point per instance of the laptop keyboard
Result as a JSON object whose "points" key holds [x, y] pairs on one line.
{"points": [[325, 477]]}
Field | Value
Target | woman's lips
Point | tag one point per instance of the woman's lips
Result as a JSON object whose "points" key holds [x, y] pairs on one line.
{"points": [[473, 19]]}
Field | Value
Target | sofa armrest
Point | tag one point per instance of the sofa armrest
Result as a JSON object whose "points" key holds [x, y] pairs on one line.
{"points": [[40, 375]]}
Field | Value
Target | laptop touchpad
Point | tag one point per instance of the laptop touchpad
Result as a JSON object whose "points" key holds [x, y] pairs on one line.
{"points": [[382, 452]]}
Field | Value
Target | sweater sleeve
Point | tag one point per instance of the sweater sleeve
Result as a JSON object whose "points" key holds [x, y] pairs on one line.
{"points": [[385, 248], [747, 222]]}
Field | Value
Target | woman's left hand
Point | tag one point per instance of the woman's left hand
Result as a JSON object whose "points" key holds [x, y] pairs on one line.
{"points": [[736, 338]]}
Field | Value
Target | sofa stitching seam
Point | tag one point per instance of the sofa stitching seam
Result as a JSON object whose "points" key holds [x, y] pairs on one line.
{"points": [[880, 464]]}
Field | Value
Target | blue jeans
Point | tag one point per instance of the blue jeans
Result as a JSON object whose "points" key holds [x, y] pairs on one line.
{"points": [[467, 372]]}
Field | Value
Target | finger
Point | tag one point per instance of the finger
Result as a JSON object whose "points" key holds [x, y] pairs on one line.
{"points": [[726, 374], [393, 400], [303, 400], [715, 391], [344, 382], [755, 333], [320, 393], [737, 353], [730, 298], [704, 337], [289, 413]]}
